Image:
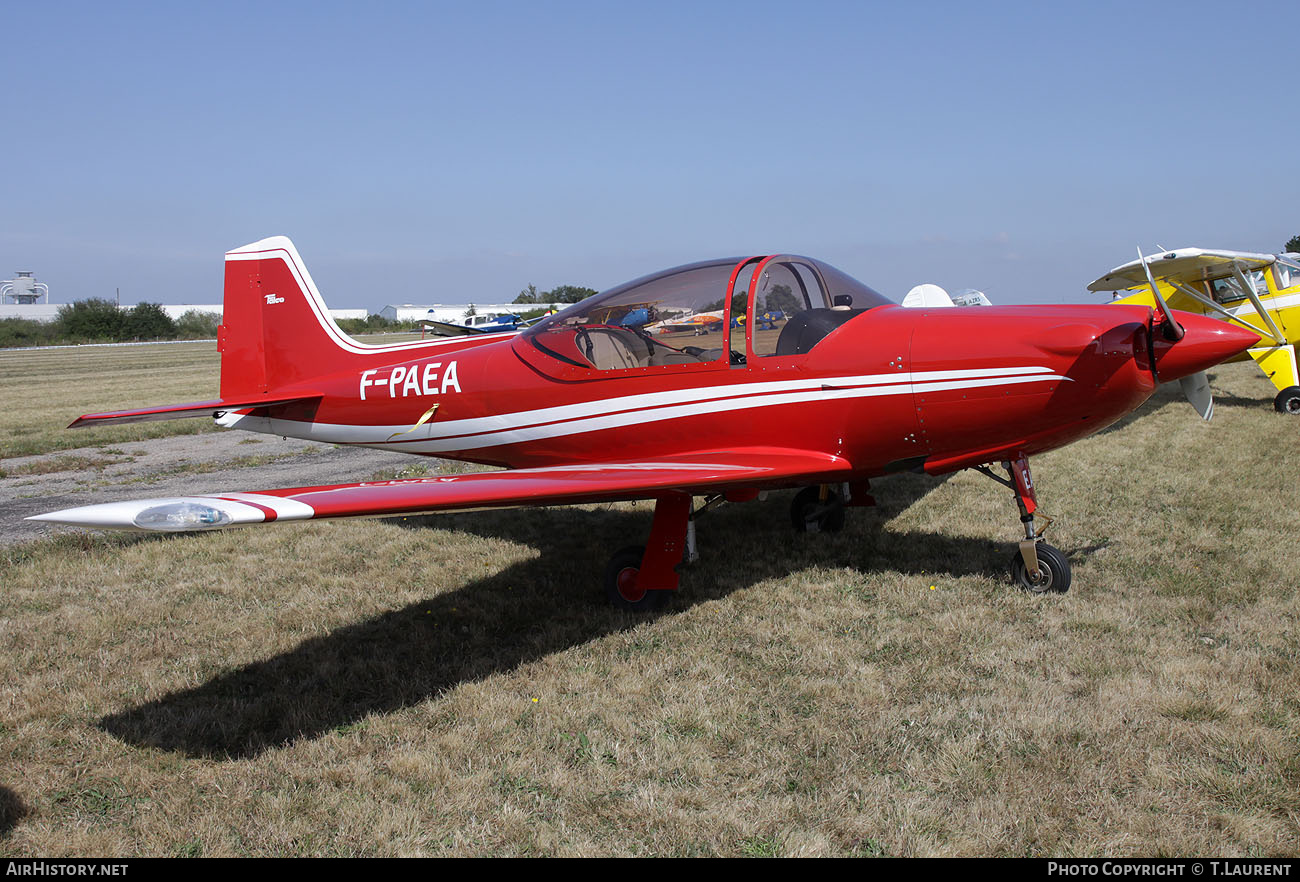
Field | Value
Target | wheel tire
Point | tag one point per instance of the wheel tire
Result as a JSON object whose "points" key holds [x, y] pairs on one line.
{"points": [[620, 588], [1054, 571], [1288, 401], [806, 502]]}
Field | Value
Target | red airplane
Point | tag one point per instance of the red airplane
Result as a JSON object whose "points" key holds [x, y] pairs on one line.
{"points": [[588, 406]]}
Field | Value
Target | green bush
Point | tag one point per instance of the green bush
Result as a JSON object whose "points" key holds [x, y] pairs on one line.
{"points": [[195, 325], [89, 320], [374, 324], [27, 332], [148, 321]]}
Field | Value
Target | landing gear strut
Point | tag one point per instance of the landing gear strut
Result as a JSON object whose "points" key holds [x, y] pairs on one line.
{"points": [[642, 578], [1036, 566]]}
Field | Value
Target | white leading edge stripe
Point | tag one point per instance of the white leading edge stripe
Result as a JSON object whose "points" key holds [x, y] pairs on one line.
{"points": [[285, 509]]}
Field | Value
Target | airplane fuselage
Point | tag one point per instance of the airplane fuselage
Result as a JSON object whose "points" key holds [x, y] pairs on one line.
{"points": [[825, 384], [891, 389]]}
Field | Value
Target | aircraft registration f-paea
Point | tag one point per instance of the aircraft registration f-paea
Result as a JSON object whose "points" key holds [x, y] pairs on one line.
{"points": [[1258, 292], [838, 385]]}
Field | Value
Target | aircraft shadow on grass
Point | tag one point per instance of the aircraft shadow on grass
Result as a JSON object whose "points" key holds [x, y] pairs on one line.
{"points": [[519, 613], [1171, 394], [12, 810]]}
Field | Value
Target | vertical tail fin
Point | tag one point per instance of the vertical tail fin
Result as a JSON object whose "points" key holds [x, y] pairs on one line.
{"points": [[275, 328]]}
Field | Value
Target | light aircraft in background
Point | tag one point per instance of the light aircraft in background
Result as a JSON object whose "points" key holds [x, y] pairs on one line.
{"points": [[579, 409], [929, 295], [1258, 292], [491, 323], [698, 323]]}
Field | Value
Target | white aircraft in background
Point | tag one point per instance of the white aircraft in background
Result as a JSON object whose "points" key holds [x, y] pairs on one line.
{"points": [[932, 295]]}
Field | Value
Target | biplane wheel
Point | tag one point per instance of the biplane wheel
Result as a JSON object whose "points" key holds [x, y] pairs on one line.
{"points": [[1053, 571], [1288, 400], [809, 514], [620, 582]]}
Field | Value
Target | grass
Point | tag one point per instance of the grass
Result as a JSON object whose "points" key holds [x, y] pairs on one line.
{"points": [[453, 685], [45, 390], [78, 462]]}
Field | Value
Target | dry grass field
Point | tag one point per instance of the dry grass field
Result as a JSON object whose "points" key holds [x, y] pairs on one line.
{"points": [[454, 685], [42, 390]]}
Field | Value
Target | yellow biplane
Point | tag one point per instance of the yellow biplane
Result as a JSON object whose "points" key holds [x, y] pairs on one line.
{"points": [[1260, 292]]}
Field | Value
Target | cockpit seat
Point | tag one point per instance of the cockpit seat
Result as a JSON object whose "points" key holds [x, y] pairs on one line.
{"points": [[806, 329], [614, 348]]}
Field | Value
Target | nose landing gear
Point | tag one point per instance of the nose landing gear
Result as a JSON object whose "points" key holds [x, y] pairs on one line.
{"points": [[1036, 566]]}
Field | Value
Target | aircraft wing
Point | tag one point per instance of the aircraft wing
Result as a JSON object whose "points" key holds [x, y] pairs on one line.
{"points": [[447, 329], [714, 472], [1184, 266]]}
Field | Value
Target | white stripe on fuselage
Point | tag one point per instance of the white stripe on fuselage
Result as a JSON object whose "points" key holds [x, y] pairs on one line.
{"points": [[1271, 304], [592, 416]]}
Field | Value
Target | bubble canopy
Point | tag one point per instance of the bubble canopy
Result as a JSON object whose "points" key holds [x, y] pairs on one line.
{"points": [[697, 313]]}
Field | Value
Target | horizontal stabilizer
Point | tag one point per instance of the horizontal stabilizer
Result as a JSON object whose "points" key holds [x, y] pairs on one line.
{"points": [[699, 474], [179, 411]]}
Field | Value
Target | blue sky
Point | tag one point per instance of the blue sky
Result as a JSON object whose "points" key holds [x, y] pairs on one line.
{"points": [[431, 152]]}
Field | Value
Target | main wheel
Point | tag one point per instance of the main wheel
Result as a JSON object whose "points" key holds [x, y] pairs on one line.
{"points": [[1288, 401], [809, 514], [620, 582], [1053, 571]]}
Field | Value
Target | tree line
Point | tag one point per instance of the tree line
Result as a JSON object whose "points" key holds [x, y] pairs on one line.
{"points": [[102, 321], [557, 295]]}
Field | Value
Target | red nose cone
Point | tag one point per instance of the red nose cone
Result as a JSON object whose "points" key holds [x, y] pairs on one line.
{"points": [[1206, 342]]}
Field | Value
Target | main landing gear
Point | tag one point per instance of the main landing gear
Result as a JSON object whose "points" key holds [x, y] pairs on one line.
{"points": [[1037, 566], [1288, 400], [642, 577]]}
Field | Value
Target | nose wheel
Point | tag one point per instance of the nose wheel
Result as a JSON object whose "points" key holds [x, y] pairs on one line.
{"points": [[1036, 566], [1053, 570]]}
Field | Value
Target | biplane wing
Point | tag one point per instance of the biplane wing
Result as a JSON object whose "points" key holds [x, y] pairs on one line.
{"points": [[742, 470], [1185, 266], [1236, 286]]}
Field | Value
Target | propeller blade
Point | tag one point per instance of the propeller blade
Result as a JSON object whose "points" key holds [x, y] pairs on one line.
{"points": [[1197, 389]]}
